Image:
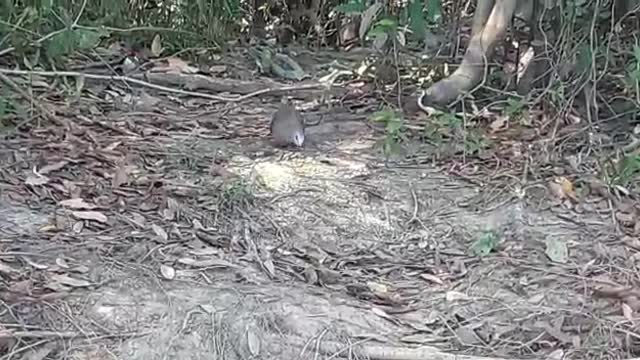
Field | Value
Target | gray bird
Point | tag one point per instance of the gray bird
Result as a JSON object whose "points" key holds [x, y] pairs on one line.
{"points": [[287, 125]]}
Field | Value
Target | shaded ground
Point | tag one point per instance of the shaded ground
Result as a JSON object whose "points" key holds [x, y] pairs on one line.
{"points": [[186, 246]]}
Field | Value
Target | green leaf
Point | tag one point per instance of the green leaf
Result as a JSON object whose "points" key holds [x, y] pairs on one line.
{"points": [[383, 116], [452, 121], [583, 58], [387, 23], [514, 107], [6, 9], [87, 39], [486, 243], [3, 108], [367, 18], [65, 16], [382, 28], [417, 22], [44, 7], [352, 7], [636, 53], [61, 44], [628, 169], [434, 11], [394, 126], [376, 31]]}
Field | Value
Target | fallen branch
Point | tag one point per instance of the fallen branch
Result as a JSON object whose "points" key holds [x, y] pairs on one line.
{"points": [[160, 87], [375, 352]]}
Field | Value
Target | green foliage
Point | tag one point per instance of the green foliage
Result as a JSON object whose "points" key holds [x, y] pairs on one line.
{"points": [[486, 243], [352, 7], [584, 58], [626, 170], [576, 9], [632, 78], [417, 20], [385, 25], [514, 108], [4, 110], [434, 11], [414, 17], [394, 128], [448, 127], [383, 29], [69, 41], [236, 192], [72, 27], [474, 142], [442, 126]]}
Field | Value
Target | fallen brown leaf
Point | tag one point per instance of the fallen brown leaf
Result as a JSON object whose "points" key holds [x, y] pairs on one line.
{"points": [[69, 281], [35, 180], [208, 263], [80, 269], [431, 278], [49, 227], [451, 296], [562, 188], [77, 227], [500, 123], [34, 264], [62, 263], [120, 177], [383, 314], [167, 272], [159, 231], [90, 215], [156, 46], [627, 311], [377, 288], [113, 146], [77, 203], [253, 342], [53, 167]]}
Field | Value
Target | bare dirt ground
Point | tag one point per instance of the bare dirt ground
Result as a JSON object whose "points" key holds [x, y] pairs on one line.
{"points": [[143, 235]]}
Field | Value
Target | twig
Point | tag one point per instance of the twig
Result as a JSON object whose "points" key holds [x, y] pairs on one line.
{"points": [[414, 217], [159, 87], [293, 193], [393, 353], [38, 334]]}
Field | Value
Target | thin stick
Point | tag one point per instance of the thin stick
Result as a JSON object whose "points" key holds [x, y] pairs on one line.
{"points": [[159, 87]]}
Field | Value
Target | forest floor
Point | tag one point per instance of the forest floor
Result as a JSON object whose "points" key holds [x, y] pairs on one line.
{"points": [[170, 228]]}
